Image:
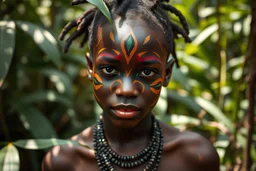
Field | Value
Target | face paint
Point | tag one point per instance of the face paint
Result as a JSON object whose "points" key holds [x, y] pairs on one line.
{"points": [[129, 67], [129, 46]]}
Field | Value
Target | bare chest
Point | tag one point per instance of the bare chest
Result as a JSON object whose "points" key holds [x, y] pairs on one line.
{"points": [[173, 162]]}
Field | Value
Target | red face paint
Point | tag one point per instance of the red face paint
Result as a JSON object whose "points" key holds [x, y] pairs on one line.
{"points": [[148, 59]]}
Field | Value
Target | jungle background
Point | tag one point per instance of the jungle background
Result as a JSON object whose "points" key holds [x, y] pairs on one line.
{"points": [[45, 95]]}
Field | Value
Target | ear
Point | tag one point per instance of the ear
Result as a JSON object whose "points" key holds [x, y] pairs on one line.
{"points": [[168, 72], [89, 66]]}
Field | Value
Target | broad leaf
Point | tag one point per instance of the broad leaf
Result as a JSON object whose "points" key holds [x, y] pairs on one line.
{"points": [[35, 122], [187, 101], [36, 144], [181, 78], [60, 79], [102, 7], [215, 112], [9, 158], [43, 39], [50, 96], [7, 46]]}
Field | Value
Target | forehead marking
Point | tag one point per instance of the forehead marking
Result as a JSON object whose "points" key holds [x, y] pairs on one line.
{"points": [[102, 49], [116, 51], [111, 35], [157, 54], [99, 35], [160, 45], [128, 72], [129, 45], [141, 53], [146, 40], [147, 58]]}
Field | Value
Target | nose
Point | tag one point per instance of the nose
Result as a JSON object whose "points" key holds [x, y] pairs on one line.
{"points": [[127, 88]]}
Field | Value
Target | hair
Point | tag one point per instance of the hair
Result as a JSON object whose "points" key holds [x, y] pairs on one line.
{"points": [[153, 11]]}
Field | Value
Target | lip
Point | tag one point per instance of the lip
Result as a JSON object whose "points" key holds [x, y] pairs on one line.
{"points": [[125, 111]]}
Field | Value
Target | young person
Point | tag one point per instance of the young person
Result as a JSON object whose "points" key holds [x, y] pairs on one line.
{"points": [[128, 64]]}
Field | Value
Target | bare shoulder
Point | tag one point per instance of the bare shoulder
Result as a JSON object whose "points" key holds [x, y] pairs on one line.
{"points": [[192, 149], [70, 157]]}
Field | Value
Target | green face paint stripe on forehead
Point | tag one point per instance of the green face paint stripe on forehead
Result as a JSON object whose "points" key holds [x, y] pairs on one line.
{"points": [[129, 44]]}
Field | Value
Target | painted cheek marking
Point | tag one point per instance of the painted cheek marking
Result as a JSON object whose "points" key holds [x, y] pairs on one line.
{"points": [[116, 81], [97, 82], [96, 96], [156, 86], [143, 87], [153, 104]]}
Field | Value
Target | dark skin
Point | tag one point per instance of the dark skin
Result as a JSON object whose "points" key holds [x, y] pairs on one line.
{"points": [[128, 68]]}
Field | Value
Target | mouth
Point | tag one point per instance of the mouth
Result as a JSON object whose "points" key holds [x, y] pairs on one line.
{"points": [[125, 111]]}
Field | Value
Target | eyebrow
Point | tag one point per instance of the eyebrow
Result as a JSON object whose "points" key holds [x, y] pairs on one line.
{"points": [[109, 57], [149, 60]]}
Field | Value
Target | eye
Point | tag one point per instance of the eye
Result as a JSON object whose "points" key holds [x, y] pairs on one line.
{"points": [[109, 70], [147, 73]]}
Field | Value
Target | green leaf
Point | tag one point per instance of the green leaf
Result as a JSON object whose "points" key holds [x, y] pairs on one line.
{"points": [[185, 100], [215, 111], [37, 144], [35, 122], [183, 120], [9, 158], [60, 79], [43, 39], [205, 34], [50, 96], [181, 78], [100, 4], [7, 46]]}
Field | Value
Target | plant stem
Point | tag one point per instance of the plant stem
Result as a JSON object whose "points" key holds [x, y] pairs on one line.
{"points": [[251, 89], [3, 124]]}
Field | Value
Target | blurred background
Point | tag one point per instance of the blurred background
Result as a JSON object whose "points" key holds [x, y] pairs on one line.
{"points": [[46, 94]]}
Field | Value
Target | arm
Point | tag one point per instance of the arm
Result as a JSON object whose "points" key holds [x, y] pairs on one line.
{"points": [[59, 158], [201, 154]]}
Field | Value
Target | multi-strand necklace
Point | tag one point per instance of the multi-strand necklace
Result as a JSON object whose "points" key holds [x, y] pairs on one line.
{"points": [[150, 155]]}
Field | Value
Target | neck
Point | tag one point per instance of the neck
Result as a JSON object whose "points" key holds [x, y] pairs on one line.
{"points": [[116, 135]]}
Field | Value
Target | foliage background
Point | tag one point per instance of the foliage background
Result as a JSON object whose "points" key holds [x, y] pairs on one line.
{"points": [[46, 94]]}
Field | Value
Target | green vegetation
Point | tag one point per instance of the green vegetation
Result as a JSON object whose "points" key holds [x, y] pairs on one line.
{"points": [[45, 94]]}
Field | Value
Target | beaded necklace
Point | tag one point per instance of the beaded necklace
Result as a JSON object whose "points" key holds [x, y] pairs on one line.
{"points": [[105, 156]]}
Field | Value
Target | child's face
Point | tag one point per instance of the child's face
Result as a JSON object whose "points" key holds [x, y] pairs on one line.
{"points": [[128, 70]]}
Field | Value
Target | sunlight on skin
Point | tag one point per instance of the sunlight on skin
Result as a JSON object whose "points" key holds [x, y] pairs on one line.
{"points": [[56, 151], [200, 158]]}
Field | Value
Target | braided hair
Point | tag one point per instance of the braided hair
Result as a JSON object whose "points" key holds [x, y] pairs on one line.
{"points": [[154, 11]]}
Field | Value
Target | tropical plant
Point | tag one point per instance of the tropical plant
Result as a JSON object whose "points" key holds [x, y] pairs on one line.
{"points": [[45, 96]]}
